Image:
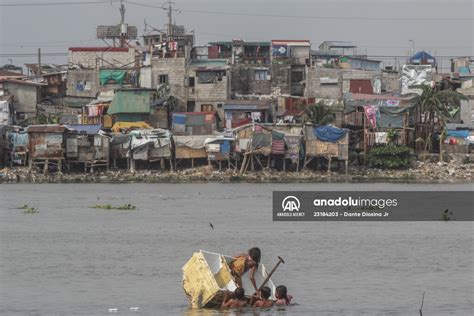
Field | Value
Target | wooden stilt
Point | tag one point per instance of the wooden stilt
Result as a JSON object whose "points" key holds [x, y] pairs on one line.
{"points": [[45, 167]]}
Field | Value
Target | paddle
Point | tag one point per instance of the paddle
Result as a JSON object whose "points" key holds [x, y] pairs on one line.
{"points": [[280, 260]]}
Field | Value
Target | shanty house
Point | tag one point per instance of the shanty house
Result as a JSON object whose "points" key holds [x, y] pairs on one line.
{"points": [[327, 142], [194, 123], [86, 144], [371, 117], [46, 145], [149, 145]]}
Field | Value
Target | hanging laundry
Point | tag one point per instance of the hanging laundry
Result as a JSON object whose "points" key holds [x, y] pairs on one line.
{"points": [[293, 145], [381, 137], [278, 143], [256, 116], [371, 112]]}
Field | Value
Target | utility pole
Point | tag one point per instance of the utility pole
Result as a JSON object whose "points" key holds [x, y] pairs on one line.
{"points": [[412, 46], [39, 61], [170, 21], [123, 27]]}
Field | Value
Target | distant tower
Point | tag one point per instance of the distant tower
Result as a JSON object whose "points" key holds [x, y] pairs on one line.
{"points": [[121, 33]]}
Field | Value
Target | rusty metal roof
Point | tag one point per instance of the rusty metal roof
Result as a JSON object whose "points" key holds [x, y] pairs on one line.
{"points": [[50, 128]]}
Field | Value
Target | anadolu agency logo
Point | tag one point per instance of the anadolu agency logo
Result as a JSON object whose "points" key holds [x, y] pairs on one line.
{"points": [[290, 203], [290, 206]]}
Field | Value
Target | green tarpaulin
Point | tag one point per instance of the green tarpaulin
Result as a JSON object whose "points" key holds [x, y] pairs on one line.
{"points": [[117, 75], [130, 102]]}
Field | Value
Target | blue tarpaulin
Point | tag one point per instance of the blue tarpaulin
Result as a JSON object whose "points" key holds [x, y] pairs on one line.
{"points": [[18, 139], [225, 147], [458, 134], [179, 119], [329, 133]]}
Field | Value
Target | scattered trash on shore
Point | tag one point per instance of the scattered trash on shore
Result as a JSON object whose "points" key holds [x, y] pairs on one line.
{"points": [[444, 172]]}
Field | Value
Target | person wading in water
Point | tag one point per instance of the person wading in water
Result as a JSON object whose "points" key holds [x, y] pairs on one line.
{"points": [[246, 262]]}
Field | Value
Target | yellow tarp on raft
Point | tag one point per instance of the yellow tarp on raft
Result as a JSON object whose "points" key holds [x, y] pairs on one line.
{"points": [[130, 125]]}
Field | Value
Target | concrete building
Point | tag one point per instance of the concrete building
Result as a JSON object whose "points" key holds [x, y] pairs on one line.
{"points": [[339, 47], [331, 83], [93, 70], [25, 98]]}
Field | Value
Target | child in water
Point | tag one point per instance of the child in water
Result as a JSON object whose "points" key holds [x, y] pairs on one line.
{"points": [[245, 262], [236, 301], [282, 297], [263, 301]]}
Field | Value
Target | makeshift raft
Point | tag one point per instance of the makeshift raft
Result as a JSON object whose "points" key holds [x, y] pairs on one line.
{"points": [[206, 276]]}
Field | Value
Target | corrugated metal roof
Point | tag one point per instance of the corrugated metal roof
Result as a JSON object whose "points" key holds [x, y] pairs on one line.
{"points": [[247, 105], [25, 83], [363, 96], [209, 63], [90, 129], [134, 101], [7, 73], [98, 49], [336, 44]]}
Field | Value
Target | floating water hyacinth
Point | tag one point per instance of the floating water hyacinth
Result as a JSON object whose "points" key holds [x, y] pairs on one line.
{"points": [[125, 207], [28, 210]]}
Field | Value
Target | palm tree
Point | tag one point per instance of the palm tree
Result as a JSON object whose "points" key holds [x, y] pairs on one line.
{"points": [[435, 104], [319, 113]]}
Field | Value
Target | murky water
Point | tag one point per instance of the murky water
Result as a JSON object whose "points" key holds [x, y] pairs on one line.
{"points": [[70, 259]]}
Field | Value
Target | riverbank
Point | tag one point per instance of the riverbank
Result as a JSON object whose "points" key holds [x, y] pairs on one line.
{"points": [[429, 172]]}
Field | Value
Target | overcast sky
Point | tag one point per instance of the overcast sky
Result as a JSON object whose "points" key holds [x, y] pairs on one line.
{"points": [[378, 27]]}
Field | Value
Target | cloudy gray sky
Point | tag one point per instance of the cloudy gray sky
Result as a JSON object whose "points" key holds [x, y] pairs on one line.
{"points": [[378, 27]]}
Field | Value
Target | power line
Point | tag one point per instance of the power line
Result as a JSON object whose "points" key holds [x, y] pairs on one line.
{"points": [[65, 54], [417, 19], [53, 3], [31, 54]]}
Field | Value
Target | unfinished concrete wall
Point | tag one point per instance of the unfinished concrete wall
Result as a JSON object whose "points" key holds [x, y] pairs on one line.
{"points": [[211, 92], [246, 80], [176, 72], [281, 78], [391, 82], [25, 97], [352, 74], [102, 59], [82, 83], [323, 83]]}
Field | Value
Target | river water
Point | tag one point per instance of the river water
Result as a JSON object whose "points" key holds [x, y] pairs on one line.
{"points": [[70, 259]]}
